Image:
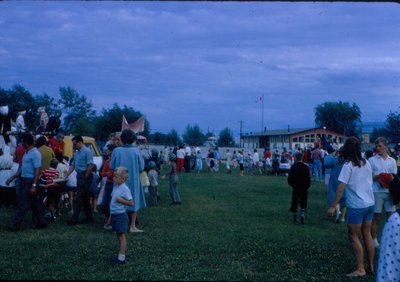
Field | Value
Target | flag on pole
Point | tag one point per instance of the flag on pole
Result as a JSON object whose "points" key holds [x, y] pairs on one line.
{"points": [[260, 99], [137, 126]]}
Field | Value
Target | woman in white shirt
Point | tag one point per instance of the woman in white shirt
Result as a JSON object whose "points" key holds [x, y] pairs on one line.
{"points": [[356, 177]]}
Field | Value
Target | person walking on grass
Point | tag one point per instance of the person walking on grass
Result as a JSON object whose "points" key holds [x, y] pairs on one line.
{"points": [[333, 184], [317, 155], [381, 164], [240, 160], [130, 157], [256, 161], [299, 179], [356, 177], [29, 196], [228, 161], [83, 164], [108, 173], [199, 161], [121, 198], [173, 181], [153, 179]]}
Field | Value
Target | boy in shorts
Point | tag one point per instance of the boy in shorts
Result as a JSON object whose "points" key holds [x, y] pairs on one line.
{"points": [[121, 197]]}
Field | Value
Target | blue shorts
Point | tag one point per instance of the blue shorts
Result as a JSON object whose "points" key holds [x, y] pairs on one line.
{"points": [[119, 222], [358, 216]]}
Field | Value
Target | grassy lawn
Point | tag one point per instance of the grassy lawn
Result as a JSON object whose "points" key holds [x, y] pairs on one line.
{"points": [[227, 228]]}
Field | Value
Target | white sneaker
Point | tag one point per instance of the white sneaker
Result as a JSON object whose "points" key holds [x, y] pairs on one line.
{"points": [[135, 230], [376, 243], [107, 226]]}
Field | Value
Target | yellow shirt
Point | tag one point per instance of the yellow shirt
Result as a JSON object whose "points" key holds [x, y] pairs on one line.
{"points": [[47, 155]]}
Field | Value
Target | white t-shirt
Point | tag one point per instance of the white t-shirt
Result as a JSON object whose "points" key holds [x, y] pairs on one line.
{"points": [[256, 157], [180, 154], [119, 191], [62, 170], [379, 165], [358, 182]]}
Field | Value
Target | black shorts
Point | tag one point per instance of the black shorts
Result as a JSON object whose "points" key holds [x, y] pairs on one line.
{"points": [[241, 167]]}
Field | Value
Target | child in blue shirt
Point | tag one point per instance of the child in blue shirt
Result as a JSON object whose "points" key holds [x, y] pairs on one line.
{"points": [[121, 197]]}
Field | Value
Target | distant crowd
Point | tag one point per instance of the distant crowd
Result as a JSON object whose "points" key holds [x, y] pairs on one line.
{"points": [[37, 176]]}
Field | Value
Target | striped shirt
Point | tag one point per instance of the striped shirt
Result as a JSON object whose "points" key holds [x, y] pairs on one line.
{"points": [[48, 177]]}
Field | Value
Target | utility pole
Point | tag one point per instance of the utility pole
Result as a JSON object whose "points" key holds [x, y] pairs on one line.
{"points": [[262, 113], [241, 123]]}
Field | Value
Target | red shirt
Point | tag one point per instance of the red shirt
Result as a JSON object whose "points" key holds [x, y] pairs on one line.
{"points": [[19, 153], [107, 172], [56, 145], [267, 154]]}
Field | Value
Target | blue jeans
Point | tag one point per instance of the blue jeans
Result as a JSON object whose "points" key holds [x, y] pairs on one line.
{"points": [[173, 188], [317, 170], [153, 195]]}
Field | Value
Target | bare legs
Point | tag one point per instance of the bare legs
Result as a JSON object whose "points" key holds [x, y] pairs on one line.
{"points": [[353, 234], [132, 217], [375, 224]]}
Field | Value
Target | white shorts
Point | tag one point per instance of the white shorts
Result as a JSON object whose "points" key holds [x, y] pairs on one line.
{"points": [[383, 199]]}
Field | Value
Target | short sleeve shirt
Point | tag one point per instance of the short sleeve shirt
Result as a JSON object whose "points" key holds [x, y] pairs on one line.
{"points": [[119, 191], [358, 182], [379, 165], [256, 157], [153, 175], [82, 158], [31, 160]]}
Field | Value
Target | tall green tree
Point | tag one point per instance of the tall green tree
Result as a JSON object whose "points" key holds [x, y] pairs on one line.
{"points": [[110, 121], [393, 127], [226, 138], [18, 98], [338, 116], [157, 138], [173, 138], [193, 136], [75, 107]]}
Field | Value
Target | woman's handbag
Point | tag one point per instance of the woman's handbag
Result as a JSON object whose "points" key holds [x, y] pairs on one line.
{"points": [[144, 179]]}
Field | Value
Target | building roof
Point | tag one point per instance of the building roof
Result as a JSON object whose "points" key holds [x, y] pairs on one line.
{"points": [[288, 131]]}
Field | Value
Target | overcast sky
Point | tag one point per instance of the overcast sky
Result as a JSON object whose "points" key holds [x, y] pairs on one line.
{"points": [[207, 63]]}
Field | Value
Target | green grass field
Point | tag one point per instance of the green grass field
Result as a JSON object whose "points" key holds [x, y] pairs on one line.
{"points": [[227, 228]]}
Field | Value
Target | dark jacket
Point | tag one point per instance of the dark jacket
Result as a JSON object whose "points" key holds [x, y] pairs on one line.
{"points": [[299, 176]]}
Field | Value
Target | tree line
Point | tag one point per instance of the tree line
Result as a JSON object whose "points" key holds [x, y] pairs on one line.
{"points": [[79, 118], [345, 118]]}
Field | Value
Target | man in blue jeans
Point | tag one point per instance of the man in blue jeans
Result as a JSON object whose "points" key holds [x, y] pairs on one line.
{"points": [[317, 155], [29, 196]]}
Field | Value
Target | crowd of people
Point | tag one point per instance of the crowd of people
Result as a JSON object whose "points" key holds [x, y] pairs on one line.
{"points": [[364, 185], [38, 177]]}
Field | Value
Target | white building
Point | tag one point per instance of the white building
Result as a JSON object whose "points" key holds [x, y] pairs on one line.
{"points": [[289, 138]]}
